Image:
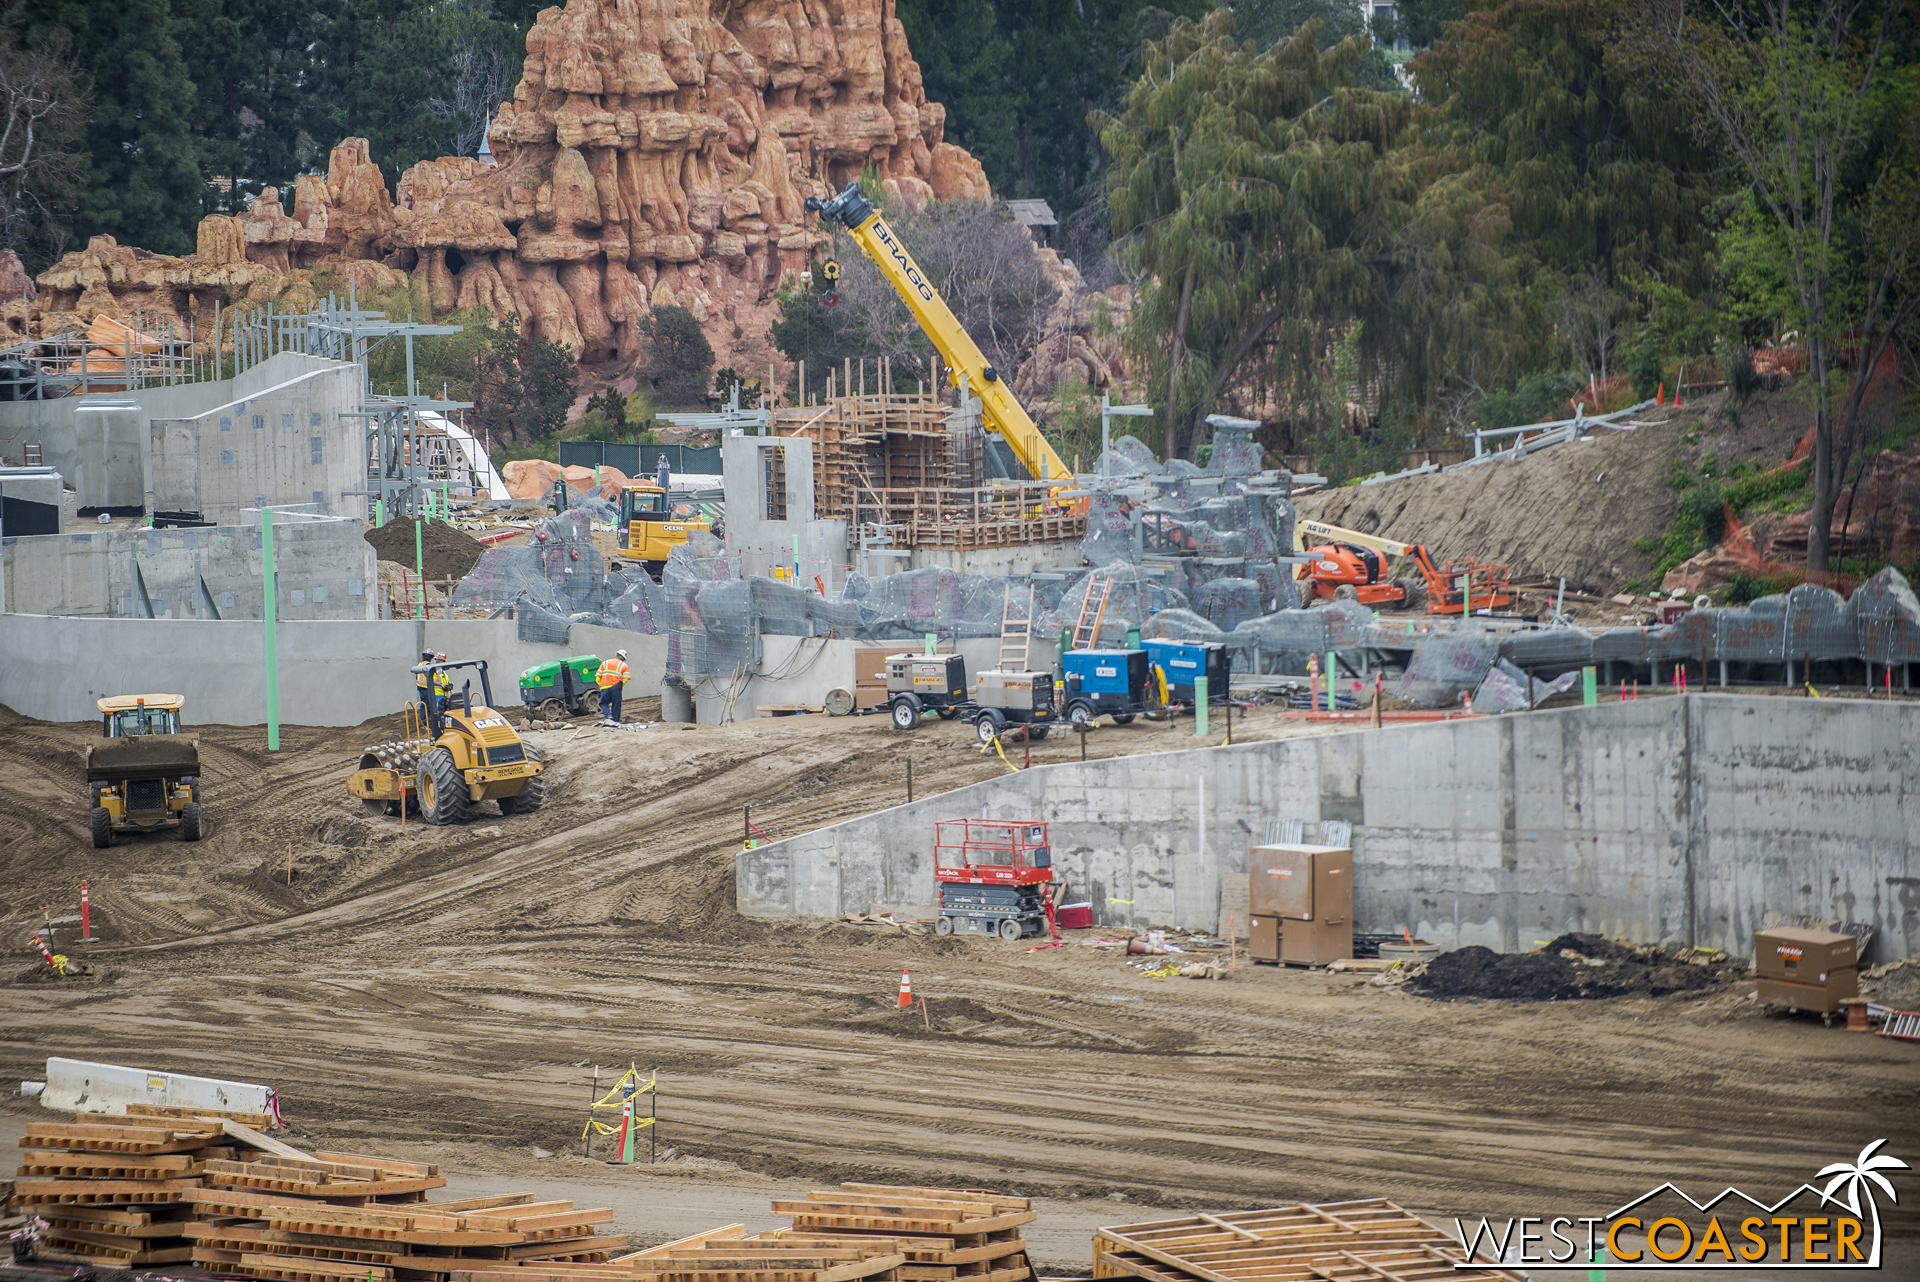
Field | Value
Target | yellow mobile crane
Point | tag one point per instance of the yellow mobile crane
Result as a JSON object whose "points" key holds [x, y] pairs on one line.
{"points": [[1002, 410]]}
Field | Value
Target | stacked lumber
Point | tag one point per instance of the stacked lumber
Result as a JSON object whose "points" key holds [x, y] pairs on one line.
{"points": [[1366, 1241], [116, 1195], [728, 1255], [508, 1238], [946, 1235]]}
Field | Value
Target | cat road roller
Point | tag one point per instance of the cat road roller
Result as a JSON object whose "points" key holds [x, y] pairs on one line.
{"points": [[456, 755], [145, 774]]}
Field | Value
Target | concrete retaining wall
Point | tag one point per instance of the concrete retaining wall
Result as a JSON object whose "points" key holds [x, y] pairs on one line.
{"points": [[289, 443], [116, 450], [331, 673], [323, 569], [1672, 819]]}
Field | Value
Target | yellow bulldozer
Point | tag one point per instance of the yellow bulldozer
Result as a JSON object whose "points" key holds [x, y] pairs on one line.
{"points": [[455, 755], [145, 775]]}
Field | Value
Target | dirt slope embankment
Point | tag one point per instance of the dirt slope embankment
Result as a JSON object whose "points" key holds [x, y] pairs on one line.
{"points": [[1574, 509]]}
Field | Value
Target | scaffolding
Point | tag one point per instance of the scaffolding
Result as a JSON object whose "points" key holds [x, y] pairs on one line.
{"points": [[107, 355], [907, 469]]}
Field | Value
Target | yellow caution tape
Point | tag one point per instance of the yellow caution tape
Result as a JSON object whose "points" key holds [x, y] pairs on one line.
{"points": [[613, 1098], [606, 1128], [995, 744]]}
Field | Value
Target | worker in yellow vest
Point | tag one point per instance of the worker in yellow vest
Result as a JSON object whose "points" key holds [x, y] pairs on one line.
{"points": [[612, 679]]}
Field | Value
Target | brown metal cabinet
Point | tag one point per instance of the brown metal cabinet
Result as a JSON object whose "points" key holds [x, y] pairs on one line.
{"points": [[1309, 889], [1804, 969], [1263, 939]]}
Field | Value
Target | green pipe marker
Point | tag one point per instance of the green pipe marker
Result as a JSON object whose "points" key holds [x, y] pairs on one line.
{"points": [[420, 569], [270, 640], [1200, 707], [379, 514], [1597, 1275], [1133, 638], [933, 639], [1590, 686], [1332, 704]]}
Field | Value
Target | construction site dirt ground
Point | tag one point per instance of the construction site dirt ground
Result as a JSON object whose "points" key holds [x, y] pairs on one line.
{"points": [[447, 994]]}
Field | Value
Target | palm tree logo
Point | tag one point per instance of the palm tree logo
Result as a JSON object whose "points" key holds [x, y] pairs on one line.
{"points": [[1863, 1174]]}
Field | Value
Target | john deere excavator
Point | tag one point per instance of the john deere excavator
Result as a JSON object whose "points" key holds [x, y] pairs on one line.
{"points": [[451, 760], [1000, 408], [144, 775]]}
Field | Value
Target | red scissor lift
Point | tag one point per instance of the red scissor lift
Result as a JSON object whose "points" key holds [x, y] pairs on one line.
{"points": [[994, 877]]}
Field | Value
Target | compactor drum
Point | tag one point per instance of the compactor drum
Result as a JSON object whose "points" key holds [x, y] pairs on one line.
{"points": [[454, 758]]}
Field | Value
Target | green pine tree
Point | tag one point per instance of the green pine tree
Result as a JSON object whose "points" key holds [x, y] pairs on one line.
{"points": [[144, 182]]}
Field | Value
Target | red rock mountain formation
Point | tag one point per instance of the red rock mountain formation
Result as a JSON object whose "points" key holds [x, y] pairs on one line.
{"points": [[652, 153]]}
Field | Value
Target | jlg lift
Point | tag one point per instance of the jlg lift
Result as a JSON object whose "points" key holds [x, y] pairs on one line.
{"points": [[1000, 408], [1351, 566]]}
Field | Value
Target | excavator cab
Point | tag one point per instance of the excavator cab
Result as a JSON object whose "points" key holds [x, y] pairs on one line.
{"points": [[650, 528]]}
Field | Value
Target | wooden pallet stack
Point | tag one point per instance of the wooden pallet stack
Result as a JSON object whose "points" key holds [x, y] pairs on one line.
{"points": [[273, 1235], [115, 1193], [947, 1235], [729, 1254], [1363, 1241]]}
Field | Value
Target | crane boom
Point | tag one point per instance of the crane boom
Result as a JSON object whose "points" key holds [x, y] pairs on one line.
{"points": [[1308, 534], [999, 406]]}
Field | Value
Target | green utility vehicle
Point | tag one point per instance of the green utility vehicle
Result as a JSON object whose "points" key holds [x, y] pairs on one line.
{"points": [[561, 688]]}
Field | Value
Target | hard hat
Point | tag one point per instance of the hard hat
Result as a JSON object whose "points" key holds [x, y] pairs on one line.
{"points": [[620, 654], [440, 656]]}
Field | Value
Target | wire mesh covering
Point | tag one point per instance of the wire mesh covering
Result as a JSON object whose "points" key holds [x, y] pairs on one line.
{"points": [[1447, 666]]}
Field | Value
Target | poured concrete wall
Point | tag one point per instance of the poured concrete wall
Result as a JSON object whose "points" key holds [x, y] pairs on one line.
{"points": [[297, 442], [117, 450], [1673, 819], [331, 673], [761, 541], [322, 570]]}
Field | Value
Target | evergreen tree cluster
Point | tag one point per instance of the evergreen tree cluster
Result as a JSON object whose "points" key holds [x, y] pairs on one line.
{"points": [[198, 104], [1567, 196]]}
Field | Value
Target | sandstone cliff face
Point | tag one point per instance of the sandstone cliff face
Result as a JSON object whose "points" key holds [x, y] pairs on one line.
{"points": [[652, 153]]}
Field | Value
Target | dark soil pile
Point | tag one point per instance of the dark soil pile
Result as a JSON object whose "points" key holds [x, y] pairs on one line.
{"points": [[1601, 968], [449, 554]]}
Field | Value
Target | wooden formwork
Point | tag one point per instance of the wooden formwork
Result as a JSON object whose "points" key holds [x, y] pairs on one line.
{"points": [[1371, 1239]]}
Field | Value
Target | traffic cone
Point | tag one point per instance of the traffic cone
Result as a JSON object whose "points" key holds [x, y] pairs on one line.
{"points": [[1660, 394], [906, 991]]}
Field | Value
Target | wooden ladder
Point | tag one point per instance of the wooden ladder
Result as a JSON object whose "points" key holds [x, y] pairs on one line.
{"points": [[1016, 635], [1085, 637]]}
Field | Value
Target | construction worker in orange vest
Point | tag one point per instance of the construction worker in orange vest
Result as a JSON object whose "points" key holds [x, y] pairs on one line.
{"points": [[612, 679]]}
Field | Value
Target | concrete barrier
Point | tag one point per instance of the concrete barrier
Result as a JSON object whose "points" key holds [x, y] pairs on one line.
{"points": [[1678, 819], [77, 1086], [332, 672]]}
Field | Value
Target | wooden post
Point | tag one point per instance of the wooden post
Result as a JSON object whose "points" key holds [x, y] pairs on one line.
{"points": [[909, 778], [593, 1093]]}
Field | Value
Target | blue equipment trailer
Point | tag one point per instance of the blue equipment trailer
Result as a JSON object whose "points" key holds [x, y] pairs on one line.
{"points": [[1181, 661], [1117, 683]]}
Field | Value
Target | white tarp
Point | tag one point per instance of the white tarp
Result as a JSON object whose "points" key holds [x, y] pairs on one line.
{"points": [[77, 1086]]}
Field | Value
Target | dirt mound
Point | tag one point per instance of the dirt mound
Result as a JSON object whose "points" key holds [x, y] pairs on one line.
{"points": [[1573, 509], [448, 552], [1572, 967]]}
